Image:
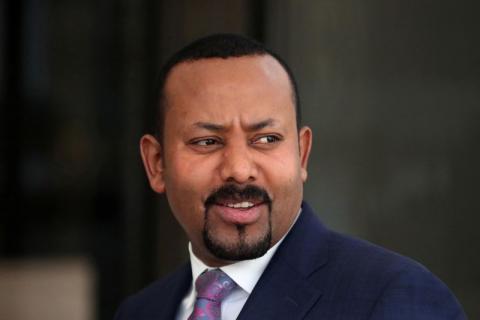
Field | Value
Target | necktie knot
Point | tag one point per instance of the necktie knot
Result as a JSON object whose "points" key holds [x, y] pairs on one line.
{"points": [[212, 286]]}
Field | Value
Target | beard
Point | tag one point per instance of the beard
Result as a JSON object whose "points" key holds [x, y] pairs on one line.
{"points": [[244, 248]]}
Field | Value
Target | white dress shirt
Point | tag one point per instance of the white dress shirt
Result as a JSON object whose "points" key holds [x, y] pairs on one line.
{"points": [[245, 273]]}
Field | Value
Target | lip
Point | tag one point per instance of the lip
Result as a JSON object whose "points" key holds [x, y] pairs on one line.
{"points": [[238, 216]]}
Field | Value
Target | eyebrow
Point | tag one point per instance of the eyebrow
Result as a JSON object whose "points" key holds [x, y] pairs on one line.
{"points": [[251, 127]]}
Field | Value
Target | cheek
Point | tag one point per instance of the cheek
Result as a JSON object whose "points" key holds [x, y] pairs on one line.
{"points": [[284, 178], [283, 170], [190, 175], [188, 182]]}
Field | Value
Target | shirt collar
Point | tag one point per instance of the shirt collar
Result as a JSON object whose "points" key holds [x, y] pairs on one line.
{"points": [[245, 273]]}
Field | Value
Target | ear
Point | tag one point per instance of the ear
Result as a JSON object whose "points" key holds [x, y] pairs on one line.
{"points": [[151, 152], [305, 145]]}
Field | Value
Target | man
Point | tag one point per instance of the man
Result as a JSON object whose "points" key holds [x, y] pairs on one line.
{"points": [[231, 157]]}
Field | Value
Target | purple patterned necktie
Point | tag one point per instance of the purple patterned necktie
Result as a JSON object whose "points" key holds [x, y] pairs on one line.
{"points": [[212, 286]]}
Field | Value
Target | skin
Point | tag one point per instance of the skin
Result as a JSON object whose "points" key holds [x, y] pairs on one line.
{"points": [[229, 121]]}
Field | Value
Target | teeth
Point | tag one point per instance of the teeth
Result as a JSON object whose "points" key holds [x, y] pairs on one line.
{"points": [[243, 205]]}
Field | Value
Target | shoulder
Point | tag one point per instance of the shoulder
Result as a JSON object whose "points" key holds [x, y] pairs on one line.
{"points": [[361, 280], [415, 293], [386, 284], [146, 303]]}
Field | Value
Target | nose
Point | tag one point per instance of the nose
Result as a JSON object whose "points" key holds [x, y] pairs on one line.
{"points": [[238, 164]]}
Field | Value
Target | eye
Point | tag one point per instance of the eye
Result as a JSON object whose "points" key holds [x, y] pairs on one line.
{"points": [[268, 139], [205, 142]]}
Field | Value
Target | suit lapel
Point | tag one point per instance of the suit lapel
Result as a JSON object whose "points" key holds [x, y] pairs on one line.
{"points": [[284, 291], [281, 294]]}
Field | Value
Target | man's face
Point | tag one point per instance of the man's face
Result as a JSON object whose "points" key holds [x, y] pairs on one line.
{"points": [[232, 162]]}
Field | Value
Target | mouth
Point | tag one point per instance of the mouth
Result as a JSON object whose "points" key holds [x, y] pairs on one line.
{"points": [[239, 213], [239, 206]]}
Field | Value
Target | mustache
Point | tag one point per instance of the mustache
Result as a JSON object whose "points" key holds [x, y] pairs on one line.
{"points": [[233, 192]]}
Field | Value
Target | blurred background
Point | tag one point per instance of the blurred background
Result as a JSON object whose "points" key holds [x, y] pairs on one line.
{"points": [[390, 88]]}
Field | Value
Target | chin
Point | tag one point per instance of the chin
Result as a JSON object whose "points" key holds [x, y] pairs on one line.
{"points": [[240, 249]]}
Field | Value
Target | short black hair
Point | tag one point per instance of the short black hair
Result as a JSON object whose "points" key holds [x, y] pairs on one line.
{"points": [[222, 45]]}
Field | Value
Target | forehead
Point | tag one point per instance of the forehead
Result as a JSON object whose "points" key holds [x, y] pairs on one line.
{"points": [[249, 84]]}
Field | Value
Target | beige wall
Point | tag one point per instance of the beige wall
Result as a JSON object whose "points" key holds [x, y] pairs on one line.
{"points": [[53, 289]]}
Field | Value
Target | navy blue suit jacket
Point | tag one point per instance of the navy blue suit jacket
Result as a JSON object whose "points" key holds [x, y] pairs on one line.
{"points": [[319, 274]]}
